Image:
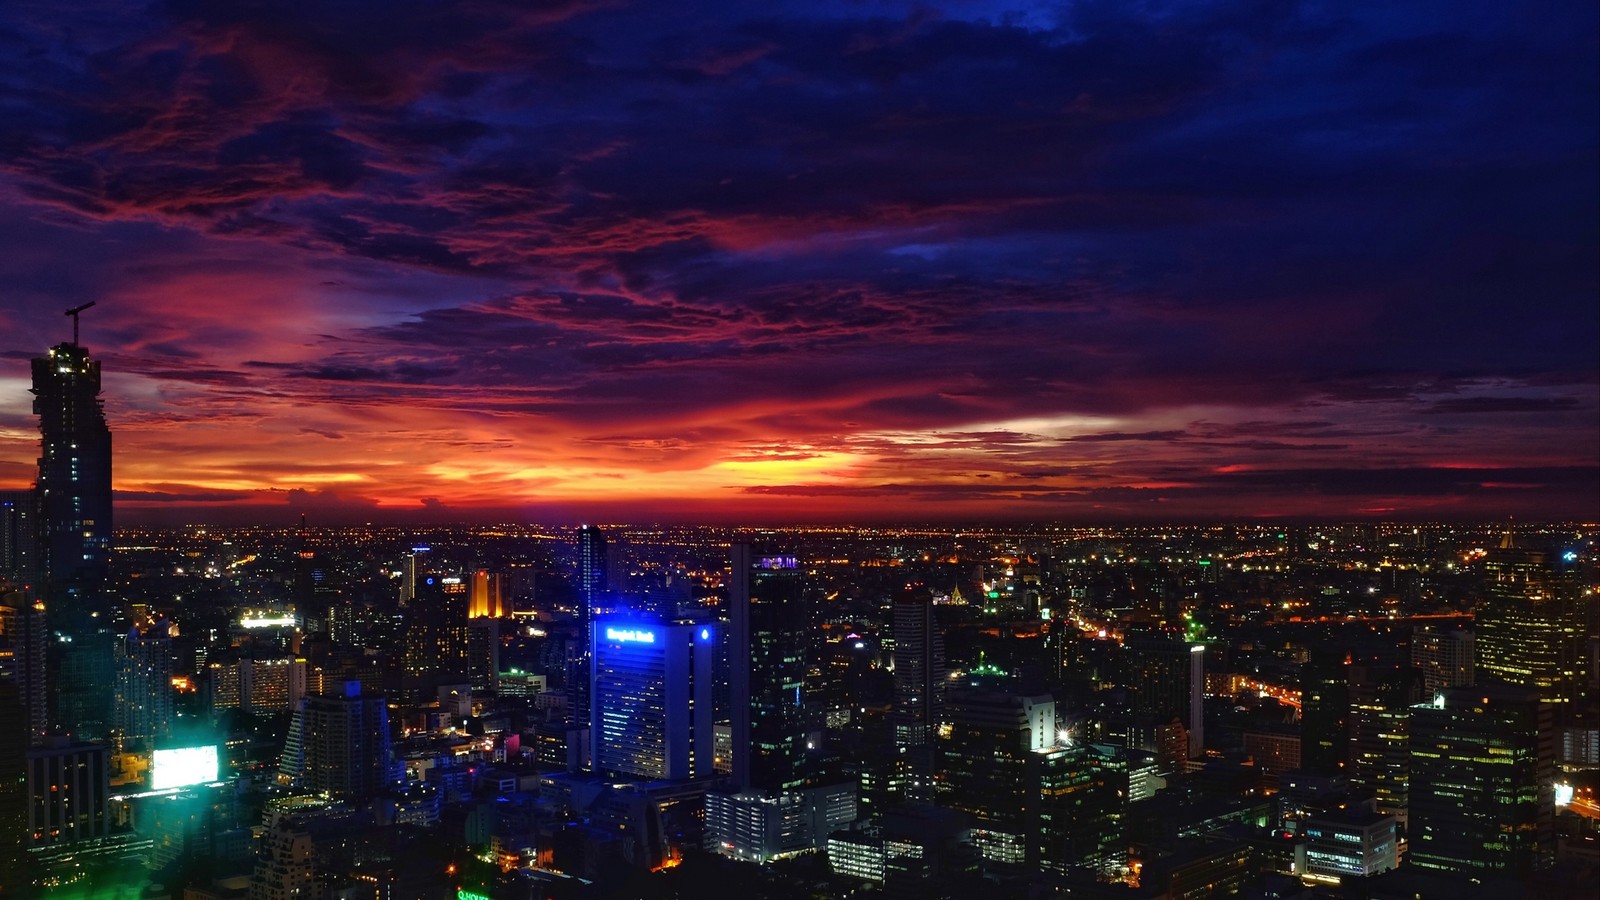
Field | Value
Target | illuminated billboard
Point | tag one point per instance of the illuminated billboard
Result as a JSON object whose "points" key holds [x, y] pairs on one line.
{"points": [[183, 766], [630, 635]]}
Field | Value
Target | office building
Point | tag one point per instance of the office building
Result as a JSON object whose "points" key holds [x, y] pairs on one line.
{"points": [[68, 786], [435, 641], [1533, 625], [1381, 694], [592, 589], [483, 654], [340, 744], [1080, 797], [1482, 797], [1443, 657], [919, 668], [1346, 843], [1325, 711], [760, 827], [985, 763], [1167, 676], [769, 624], [652, 712]]}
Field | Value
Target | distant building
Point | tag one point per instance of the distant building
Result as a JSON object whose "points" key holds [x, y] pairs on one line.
{"points": [[1443, 657], [340, 744], [1483, 781], [651, 688]]}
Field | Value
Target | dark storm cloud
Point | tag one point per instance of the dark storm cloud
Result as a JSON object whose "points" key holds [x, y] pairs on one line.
{"points": [[1229, 231]]}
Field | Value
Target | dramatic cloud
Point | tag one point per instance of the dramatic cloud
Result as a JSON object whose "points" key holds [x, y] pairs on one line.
{"points": [[813, 259]]}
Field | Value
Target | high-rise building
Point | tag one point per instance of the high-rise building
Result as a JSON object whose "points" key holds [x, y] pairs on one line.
{"points": [[487, 597], [74, 477], [1483, 781], [1081, 794], [1533, 625], [985, 764], [1168, 681], [769, 625], [340, 744], [652, 712], [1381, 694], [19, 535], [69, 787], [144, 688], [23, 649], [1325, 711], [13, 787], [919, 669], [435, 642], [74, 534], [1443, 657], [483, 654], [592, 588]]}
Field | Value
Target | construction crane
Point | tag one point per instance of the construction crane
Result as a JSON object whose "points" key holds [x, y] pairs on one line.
{"points": [[73, 312]]}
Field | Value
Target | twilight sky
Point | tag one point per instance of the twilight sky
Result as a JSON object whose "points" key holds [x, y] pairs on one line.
{"points": [[813, 260]]}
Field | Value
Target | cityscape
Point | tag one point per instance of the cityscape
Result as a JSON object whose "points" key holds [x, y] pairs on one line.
{"points": [[603, 450], [521, 711]]}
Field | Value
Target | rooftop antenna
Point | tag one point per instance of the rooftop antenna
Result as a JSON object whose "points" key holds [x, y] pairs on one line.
{"points": [[73, 312]]}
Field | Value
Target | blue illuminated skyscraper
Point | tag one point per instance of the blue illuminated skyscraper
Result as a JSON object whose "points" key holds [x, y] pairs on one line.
{"points": [[652, 709]]}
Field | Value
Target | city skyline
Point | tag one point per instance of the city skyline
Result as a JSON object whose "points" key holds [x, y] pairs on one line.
{"points": [[851, 261]]}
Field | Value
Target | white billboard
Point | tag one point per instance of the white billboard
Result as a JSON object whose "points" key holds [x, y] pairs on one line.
{"points": [[183, 766]]}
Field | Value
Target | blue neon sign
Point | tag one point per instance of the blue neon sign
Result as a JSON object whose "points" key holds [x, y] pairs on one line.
{"points": [[705, 634], [630, 636]]}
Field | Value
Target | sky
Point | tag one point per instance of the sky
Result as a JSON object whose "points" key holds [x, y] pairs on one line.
{"points": [[812, 261]]}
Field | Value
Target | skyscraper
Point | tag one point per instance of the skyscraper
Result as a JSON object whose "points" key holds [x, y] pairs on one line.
{"points": [[1532, 624], [591, 585], [768, 625], [919, 669], [652, 715], [19, 534], [988, 770], [74, 546], [144, 687], [339, 743], [23, 649], [1482, 781], [74, 478], [1168, 681], [1443, 657], [1325, 711]]}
